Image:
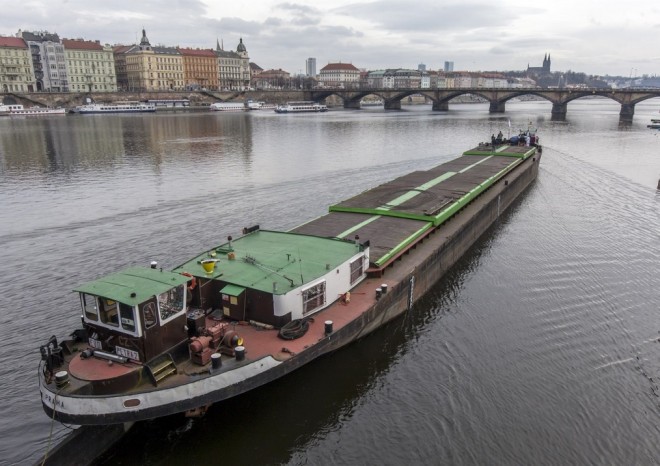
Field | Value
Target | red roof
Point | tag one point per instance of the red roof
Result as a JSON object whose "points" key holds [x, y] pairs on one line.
{"points": [[16, 42], [339, 67], [198, 52], [81, 44]]}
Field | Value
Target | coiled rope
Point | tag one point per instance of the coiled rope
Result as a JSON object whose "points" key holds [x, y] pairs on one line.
{"points": [[295, 329]]}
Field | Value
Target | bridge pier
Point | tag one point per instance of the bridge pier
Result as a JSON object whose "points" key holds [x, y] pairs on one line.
{"points": [[440, 106], [559, 112], [497, 107], [626, 113], [354, 104], [392, 105]]}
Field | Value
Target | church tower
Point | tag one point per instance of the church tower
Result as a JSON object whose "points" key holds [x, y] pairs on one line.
{"points": [[144, 43], [546, 63]]}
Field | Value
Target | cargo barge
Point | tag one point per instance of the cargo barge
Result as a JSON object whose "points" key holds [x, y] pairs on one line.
{"points": [[258, 306]]}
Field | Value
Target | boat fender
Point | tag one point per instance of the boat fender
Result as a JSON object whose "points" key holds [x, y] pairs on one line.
{"points": [[192, 283]]}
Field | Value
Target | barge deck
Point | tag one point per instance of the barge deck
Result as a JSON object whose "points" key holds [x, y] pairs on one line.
{"points": [[408, 232]]}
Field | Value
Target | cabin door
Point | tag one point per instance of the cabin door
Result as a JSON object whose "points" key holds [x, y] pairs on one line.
{"points": [[151, 330], [233, 302]]}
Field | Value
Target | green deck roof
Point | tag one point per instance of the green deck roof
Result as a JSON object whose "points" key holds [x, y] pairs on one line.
{"points": [[142, 281], [264, 258]]}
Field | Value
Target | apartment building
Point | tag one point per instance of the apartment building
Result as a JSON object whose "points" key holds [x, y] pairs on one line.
{"points": [[90, 66], [16, 70]]}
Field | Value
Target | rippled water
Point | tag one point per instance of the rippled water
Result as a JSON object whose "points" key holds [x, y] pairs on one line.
{"points": [[540, 347]]}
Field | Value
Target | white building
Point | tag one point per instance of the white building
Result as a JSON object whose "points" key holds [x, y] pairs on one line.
{"points": [[343, 75], [48, 60]]}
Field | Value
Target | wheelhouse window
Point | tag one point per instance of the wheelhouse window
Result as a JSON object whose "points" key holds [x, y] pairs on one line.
{"points": [[108, 312], [149, 314], [90, 306], [171, 303], [127, 315], [357, 269], [313, 297]]}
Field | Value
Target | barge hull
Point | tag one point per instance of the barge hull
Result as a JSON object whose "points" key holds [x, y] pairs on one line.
{"points": [[408, 278]]}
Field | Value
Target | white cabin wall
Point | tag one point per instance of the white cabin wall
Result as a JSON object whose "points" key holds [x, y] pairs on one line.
{"points": [[337, 282]]}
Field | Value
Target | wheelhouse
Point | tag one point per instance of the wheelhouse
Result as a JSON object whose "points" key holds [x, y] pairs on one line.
{"points": [[137, 313]]}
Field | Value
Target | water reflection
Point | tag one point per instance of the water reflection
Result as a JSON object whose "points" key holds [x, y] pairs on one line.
{"points": [[64, 144]]}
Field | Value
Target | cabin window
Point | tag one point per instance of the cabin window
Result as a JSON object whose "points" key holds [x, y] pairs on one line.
{"points": [[149, 314], [313, 297], [127, 315], [170, 303], [108, 312], [357, 269], [90, 306]]}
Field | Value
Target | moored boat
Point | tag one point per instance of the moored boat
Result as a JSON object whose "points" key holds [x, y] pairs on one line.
{"points": [[301, 107], [116, 107], [228, 107], [20, 110], [260, 105], [258, 306]]}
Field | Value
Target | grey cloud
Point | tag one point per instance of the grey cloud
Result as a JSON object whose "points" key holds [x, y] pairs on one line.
{"points": [[403, 16]]}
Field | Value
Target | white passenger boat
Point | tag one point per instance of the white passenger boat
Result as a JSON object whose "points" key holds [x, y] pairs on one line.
{"points": [[260, 105], [116, 107], [228, 107], [297, 107], [19, 110]]}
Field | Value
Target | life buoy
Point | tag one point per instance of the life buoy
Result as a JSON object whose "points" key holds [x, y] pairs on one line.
{"points": [[192, 283]]}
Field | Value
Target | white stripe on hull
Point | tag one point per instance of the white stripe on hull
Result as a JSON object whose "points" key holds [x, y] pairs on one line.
{"points": [[159, 398]]}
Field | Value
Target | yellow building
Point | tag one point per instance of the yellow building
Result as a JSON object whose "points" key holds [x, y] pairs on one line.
{"points": [[200, 69], [90, 66], [153, 68], [16, 70]]}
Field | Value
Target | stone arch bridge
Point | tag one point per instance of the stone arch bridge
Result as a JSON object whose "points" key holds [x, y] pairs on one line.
{"points": [[498, 98], [392, 98]]}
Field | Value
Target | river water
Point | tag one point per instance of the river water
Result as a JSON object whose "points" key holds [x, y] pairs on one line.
{"points": [[540, 347]]}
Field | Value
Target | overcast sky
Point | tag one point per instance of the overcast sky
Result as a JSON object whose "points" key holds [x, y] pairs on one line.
{"points": [[595, 37]]}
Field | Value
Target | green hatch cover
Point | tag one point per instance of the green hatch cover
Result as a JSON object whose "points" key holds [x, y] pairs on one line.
{"points": [[232, 290], [134, 285]]}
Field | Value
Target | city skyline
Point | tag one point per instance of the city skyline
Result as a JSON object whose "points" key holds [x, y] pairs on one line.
{"points": [[594, 38]]}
